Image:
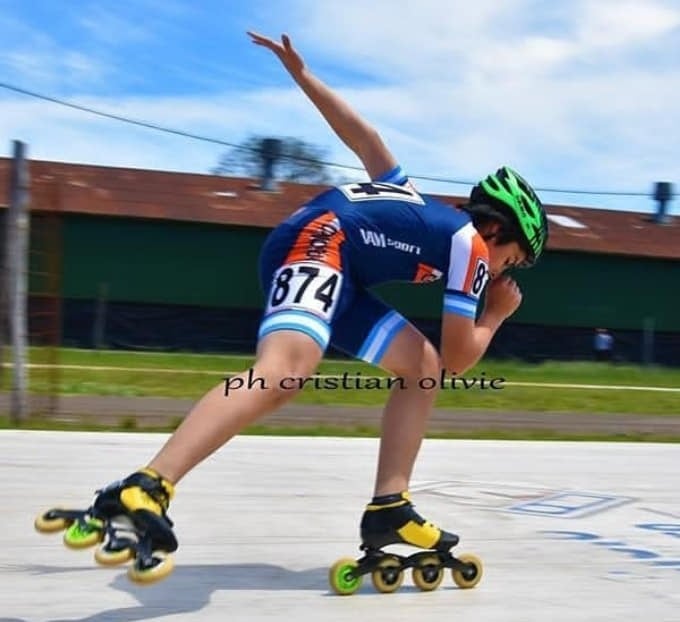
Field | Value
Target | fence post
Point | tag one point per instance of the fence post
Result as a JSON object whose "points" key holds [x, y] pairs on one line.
{"points": [[99, 326], [18, 228], [4, 303], [648, 341]]}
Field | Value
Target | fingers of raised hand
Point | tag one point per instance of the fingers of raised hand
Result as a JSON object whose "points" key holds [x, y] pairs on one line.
{"points": [[264, 41], [257, 38]]}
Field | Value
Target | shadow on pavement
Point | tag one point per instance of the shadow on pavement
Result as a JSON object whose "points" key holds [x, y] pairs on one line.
{"points": [[190, 588]]}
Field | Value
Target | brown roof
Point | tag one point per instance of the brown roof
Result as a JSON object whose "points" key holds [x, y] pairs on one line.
{"points": [[87, 189]]}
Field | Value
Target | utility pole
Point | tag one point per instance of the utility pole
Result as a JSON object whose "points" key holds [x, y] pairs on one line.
{"points": [[663, 194]]}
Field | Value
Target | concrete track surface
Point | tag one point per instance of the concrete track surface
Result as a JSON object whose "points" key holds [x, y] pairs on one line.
{"points": [[586, 531]]}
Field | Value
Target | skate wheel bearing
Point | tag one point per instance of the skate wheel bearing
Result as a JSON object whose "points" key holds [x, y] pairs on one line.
{"points": [[428, 573], [388, 576], [341, 578]]}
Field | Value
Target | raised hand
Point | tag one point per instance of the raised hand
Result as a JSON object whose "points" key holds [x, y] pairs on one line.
{"points": [[290, 59], [346, 122]]}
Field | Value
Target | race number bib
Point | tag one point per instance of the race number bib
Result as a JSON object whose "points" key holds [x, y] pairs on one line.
{"points": [[305, 286], [371, 190], [480, 277]]}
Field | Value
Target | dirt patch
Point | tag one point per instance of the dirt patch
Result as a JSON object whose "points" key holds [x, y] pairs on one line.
{"points": [[148, 411]]}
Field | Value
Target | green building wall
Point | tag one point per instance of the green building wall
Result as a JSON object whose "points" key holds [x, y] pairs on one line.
{"points": [[583, 290], [162, 262], [199, 264]]}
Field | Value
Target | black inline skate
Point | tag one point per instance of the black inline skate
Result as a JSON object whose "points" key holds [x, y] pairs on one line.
{"points": [[392, 519], [128, 520]]}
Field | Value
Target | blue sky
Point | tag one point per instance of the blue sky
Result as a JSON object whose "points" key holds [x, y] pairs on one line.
{"points": [[575, 95]]}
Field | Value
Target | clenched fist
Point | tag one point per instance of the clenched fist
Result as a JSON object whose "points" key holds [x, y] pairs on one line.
{"points": [[503, 297]]}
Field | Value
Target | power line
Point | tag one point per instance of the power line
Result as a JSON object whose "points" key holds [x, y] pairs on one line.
{"points": [[160, 128], [116, 117], [217, 141]]}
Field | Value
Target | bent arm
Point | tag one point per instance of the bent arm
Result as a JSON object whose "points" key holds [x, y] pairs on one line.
{"points": [[361, 137], [464, 342]]}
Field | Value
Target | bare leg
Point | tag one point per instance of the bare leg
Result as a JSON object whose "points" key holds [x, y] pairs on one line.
{"points": [[411, 357], [217, 417]]}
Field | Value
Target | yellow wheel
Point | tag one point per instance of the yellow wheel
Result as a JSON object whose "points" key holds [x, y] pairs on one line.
{"points": [[145, 576], [82, 535], [472, 575], [428, 574], [341, 579], [48, 523], [113, 558], [388, 576]]}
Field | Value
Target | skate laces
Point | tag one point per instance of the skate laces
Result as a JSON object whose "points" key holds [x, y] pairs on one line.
{"points": [[417, 530], [419, 519], [400, 499], [406, 495]]}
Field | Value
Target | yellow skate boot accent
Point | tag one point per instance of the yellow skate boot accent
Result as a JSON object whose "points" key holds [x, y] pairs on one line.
{"points": [[147, 490], [392, 519], [425, 536], [134, 510]]}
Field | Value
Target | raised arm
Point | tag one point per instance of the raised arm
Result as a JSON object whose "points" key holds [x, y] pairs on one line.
{"points": [[351, 128]]}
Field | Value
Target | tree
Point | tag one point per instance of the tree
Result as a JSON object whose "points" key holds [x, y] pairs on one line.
{"points": [[299, 161]]}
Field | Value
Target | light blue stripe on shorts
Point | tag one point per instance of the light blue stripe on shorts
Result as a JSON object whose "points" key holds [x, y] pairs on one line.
{"points": [[380, 337], [301, 321]]}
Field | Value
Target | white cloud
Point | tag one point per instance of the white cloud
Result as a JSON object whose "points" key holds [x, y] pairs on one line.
{"points": [[65, 68], [108, 27], [37, 60], [580, 95], [616, 23], [588, 102], [54, 132]]}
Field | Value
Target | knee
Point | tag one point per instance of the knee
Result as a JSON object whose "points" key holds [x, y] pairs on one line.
{"points": [[282, 384], [285, 386], [424, 362]]}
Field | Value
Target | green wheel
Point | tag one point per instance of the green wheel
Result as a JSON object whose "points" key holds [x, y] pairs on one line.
{"points": [[84, 534], [341, 579]]}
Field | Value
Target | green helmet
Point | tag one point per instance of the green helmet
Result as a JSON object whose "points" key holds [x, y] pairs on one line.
{"points": [[510, 192]]}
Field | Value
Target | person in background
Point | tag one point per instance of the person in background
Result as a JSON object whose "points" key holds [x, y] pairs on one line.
{"points": [[603, 344]]}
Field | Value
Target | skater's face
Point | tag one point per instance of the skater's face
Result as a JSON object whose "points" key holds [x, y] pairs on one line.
{"points": [[503, 257]]}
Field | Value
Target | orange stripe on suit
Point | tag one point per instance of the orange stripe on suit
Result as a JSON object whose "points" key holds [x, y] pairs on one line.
{"points": [[478, 249], [319, 240]]}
